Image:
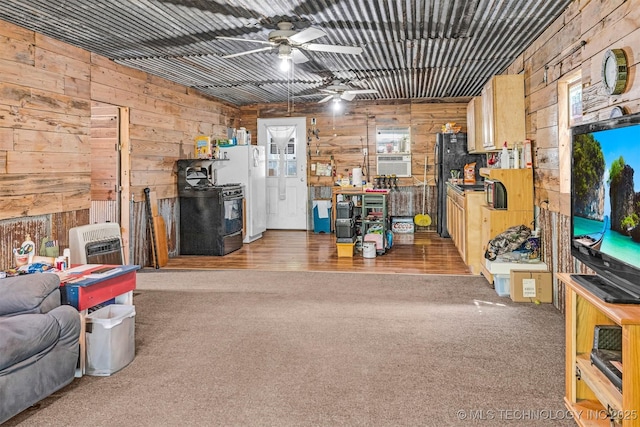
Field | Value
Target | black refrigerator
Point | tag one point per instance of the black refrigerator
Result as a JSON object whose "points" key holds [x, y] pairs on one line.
{"points": [[451, 154]]}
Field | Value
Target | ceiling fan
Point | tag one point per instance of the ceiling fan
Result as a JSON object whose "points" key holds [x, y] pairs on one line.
{"points": [[338, 91], [290, 43]]}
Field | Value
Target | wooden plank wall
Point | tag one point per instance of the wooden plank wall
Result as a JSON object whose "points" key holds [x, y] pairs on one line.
{"points": [[44, 125], [556, 53], [344, 135], [164, 119], [104, 153], [47, 89]]}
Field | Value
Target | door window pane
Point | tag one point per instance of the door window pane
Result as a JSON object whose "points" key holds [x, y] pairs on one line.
{"points": [[288, 159]]}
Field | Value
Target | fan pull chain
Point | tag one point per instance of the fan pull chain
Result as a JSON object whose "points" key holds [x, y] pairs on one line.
{"points": [[290, 74]]}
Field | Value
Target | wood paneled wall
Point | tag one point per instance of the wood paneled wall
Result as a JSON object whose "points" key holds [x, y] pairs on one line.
{"points": [[104, 153], [45, 115], [164, 119], [47, 89], [558, 52], [343, 135]]}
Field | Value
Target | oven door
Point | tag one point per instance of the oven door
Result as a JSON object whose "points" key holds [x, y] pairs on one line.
{"points": [[232, 208]]}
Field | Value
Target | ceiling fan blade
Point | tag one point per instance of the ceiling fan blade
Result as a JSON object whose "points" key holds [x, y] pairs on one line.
{"points": [[243, 40], [348, 96], [310, 95], [248, 52], [357, 91], [327, 91], [325, 99], [298, 57], [351, 50], [307, 35]]}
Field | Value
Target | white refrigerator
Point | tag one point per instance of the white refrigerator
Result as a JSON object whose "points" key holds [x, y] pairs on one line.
{"points": [[246, 165]]}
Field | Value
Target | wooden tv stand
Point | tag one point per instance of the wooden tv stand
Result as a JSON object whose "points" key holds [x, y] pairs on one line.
{"points": [[589, 395]]}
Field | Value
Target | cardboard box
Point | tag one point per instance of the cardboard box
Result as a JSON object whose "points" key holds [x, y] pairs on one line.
{"points": [[203, 147], [531, 286]]}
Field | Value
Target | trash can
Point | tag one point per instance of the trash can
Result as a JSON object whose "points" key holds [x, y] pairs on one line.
{"points": [[110, 339], [322, 216]]}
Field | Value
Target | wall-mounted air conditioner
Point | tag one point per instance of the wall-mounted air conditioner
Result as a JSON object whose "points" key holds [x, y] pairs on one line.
{"points": [[394, 164]]}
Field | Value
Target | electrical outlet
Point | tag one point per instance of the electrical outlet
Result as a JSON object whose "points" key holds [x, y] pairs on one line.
{"points": [[365, 151], [313, 121]]}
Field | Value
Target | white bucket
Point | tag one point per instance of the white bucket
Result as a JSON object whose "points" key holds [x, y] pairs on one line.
{"points": [[369, 249]]}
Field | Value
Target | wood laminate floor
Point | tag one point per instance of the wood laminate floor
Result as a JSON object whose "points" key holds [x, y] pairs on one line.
{"points": [[280, 250]]}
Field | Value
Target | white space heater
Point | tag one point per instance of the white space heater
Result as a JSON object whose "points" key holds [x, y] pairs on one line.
{"points": [[96, 244]]}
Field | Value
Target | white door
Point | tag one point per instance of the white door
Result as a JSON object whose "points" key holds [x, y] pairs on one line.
{"points": [[287, 196]]}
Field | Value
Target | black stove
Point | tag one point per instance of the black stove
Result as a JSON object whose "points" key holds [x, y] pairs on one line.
{"points": [[211, 214], [230, 190]]}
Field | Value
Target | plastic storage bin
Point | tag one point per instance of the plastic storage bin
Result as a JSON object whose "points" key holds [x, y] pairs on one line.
{"points": [[110, 339], [501, 284], [345, 227], [321, 225], [344, 210], [345, 250]]}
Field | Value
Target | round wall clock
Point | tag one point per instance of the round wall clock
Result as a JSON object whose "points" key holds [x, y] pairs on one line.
{"points": [[614, 71]]}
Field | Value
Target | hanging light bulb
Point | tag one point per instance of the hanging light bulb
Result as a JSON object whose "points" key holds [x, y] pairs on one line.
{"points": [[337, 104], [284, 64], [284, 53]]}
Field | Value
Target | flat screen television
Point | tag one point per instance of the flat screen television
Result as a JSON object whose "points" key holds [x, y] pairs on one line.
{"points": [[605, 207]]}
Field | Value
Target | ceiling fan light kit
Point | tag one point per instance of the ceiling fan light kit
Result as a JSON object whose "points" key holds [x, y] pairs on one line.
{"points": [[286, 36], [292, 43], [284, 53], [337, 104], [285, 64], [338, 91]]}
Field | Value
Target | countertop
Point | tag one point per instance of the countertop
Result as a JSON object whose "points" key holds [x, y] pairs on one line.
{"points": [[461, 188]]}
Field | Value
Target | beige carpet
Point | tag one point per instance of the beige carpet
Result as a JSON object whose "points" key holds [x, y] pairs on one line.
{"points": [[250, 348]]}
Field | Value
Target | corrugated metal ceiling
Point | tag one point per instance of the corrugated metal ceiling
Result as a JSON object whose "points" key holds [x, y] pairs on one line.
{"points": [[411, 49]]}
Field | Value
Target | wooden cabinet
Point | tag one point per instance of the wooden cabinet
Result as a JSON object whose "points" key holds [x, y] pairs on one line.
{"points": [[519, 186], [463, 224], [474, 125], [503, 114], [588, 393], [456, 220]]}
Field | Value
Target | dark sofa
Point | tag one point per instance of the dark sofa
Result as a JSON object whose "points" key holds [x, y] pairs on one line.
{"points": [[38, 341]]}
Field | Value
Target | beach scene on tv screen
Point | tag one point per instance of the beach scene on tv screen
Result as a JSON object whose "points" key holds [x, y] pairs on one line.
{"points": [[606, 192]]}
